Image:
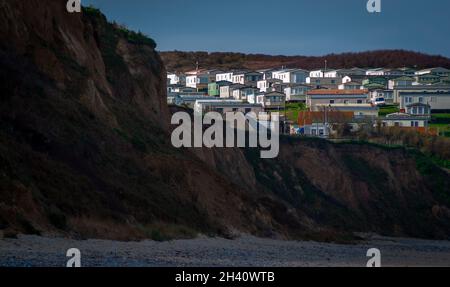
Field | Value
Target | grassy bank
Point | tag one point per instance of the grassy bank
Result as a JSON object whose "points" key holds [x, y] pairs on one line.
{"points": [[441, 122], [292, 110], [388, 109]]}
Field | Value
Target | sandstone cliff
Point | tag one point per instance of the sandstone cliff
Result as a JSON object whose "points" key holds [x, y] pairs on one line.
{"points": [[85, 151]]}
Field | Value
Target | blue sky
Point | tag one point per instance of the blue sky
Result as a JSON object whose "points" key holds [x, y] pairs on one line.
{"points": [[286, 27]]}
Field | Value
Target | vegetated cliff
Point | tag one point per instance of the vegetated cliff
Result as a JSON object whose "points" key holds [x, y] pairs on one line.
{"points": [[84, 145], [85, 151]]}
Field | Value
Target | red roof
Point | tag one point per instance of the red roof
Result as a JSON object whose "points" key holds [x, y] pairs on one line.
{"points": [[338, 92], [308, 118]]}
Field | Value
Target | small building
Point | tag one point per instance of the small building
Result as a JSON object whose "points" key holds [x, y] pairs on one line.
{"points": [[225, 106], [418, 109], [405, 120], [225, 76], [271, 100], [296, 92], [376, 72], [340, 73], [441, 87], [314, 98], [200, 79], [359, 110], [408, 72], [291, 76], [439, 71], [426, 79], [393, 72], [351, 86], [171, 98], [188, 100], [375, 83], [319, 73], [325, 83], [400, 82], [267, 84], [245, 93], [181, 89], [381, 96], [176, 79], [354, 78], [438, 101], [279, 87], [226, 90], [319, 124], [267, 73], [176, 88], [331, 74], [214, 88], [317, 129], [374, 86], [247, 78]]}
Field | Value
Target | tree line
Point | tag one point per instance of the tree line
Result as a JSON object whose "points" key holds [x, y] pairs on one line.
{"points": [[184, 61]]}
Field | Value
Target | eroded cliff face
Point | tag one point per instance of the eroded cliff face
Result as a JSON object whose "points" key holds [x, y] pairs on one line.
{"points": [[58, 43], [85, 151], [360, 187], [84, 145]]}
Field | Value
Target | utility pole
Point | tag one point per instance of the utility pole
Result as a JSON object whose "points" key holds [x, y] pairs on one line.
{"points": [[285, 118]]}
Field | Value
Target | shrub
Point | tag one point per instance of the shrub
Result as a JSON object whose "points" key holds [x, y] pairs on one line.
{"points": [[92, 11], [137, 38]]}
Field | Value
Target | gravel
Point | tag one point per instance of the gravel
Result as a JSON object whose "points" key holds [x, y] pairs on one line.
{"points": [[246, 251]]}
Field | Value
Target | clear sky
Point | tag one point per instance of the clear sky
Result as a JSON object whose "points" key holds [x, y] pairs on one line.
{"points": [[286, 27]]}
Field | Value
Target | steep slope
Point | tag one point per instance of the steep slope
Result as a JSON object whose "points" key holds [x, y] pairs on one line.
{"points": [[84, 145], [360, 187], [85, 151]]}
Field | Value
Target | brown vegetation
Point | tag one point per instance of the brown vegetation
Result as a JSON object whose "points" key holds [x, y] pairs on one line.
{"points": [[185, 61]]}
